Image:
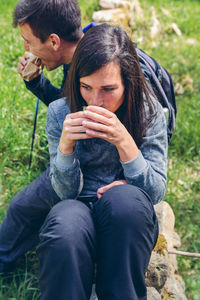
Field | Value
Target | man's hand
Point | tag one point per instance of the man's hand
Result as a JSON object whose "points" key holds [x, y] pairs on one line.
{"points": [[23, 61], [103, 189]]}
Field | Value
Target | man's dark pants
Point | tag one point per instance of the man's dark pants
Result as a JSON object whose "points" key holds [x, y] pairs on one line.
{"points": [[25, 215]]}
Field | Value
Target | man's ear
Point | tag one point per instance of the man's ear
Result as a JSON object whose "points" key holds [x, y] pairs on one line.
{"points": [[54, 41]]}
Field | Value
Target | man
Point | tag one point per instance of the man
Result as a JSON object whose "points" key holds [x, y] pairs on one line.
{"points": [[51, 30], [54, 44]]}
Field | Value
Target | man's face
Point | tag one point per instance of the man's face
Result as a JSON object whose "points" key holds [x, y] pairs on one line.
{"points": [[45, 51]]}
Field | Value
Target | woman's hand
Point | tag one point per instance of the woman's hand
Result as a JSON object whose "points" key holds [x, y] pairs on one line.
{"points": [[72, 131], [103, 124], [100, 122], [103, 189]]}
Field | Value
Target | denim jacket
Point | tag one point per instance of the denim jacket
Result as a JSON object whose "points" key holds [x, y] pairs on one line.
{"points": [[96, 162]]}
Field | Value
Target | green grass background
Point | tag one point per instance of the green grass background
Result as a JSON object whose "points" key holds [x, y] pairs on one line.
{"points": [[181, 56]]}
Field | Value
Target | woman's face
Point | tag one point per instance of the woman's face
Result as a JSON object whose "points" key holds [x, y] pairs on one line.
{"points": [[104, 87]]}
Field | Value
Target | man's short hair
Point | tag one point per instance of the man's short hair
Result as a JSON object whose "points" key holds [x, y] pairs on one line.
{"points": [[45, 17]]}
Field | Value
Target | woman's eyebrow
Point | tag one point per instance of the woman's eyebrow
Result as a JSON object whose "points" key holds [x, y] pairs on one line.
{"points": [[81, 82], [110, 85]]}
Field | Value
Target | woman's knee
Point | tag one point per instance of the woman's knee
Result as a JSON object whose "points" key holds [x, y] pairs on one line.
{"points": [[66, 224], [125, 205]]}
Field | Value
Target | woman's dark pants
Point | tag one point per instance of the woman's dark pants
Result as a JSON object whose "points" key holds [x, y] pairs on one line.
{"points": [[116, 234]]}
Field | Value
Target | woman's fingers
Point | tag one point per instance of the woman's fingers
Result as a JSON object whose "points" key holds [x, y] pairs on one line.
{"points": [[103, 189], [99, 110], [98, 117], [76, 115], [73, 128], [78, 136], [95, 126]]}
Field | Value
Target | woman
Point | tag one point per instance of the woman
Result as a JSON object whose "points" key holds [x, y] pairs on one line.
{"points": [[108, 151]]}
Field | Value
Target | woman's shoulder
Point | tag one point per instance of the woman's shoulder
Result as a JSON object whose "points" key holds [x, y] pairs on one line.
{"points": [[60, 108], [57, 112], [60, 104]]}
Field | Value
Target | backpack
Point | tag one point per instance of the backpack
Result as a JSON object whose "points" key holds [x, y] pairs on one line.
{"points": [[163, 87]]}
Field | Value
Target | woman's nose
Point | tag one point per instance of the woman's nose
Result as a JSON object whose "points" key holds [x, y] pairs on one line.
{"points": [[97, 99]]}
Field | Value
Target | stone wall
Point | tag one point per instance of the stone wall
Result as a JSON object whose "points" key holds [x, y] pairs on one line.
{"points": [[118, 12], [162, 277]]}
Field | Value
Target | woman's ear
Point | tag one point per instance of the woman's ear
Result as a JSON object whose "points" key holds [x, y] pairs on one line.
{"points": [[54, 41]]}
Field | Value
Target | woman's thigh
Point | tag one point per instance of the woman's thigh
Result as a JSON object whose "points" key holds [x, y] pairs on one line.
{"points": [[127, 230], [69, 222], [127, 207], [126, 225]]}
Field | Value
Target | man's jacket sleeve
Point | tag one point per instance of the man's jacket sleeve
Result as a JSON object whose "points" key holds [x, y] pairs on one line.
{"points": [[42, 88]]}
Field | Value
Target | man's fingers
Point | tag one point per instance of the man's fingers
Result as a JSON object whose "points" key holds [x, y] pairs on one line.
{"points": [[27, 55], [21, 64]]}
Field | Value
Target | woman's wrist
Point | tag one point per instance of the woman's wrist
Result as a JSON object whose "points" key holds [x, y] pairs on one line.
{"points": [[66, 149], [127, 149]]}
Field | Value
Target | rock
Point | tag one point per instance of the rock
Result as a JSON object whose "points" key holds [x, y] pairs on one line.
{"points": [[152, 294], [116, 15], [191, 41], [173, 28], [178, 88], [166, 221], [173, 289], [137, 9], [110, 4], [176, 240], [166, 12], [155, 29], [136, 13], [187, 82], [157, 271]]}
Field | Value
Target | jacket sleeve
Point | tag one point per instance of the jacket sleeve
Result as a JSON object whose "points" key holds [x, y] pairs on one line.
{"points": [[148, 170], [65, 172], [42, 88]]}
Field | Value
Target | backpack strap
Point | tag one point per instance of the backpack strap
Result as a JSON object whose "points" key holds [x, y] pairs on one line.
{"points": [[160, 78]]}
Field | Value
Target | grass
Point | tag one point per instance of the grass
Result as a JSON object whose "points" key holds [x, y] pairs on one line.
{"points": [[180, 55]]}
